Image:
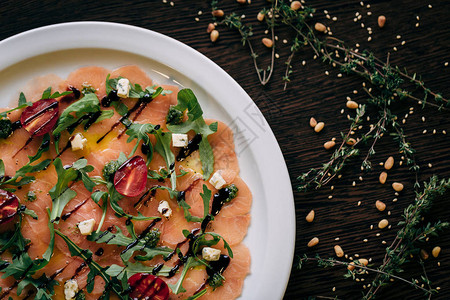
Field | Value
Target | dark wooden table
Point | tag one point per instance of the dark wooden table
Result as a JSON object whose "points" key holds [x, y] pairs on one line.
{"points": [[312, 93]]}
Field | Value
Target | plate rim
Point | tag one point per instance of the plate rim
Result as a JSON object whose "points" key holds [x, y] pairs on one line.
{"points": [[286, 217]]}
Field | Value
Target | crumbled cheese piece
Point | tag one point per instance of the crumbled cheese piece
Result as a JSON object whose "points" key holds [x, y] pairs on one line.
{"points": [[86, 227], [210, 254], [123, 88], [70, 289], [217, 180], [165, 209], [78, 142], [180, 140]]}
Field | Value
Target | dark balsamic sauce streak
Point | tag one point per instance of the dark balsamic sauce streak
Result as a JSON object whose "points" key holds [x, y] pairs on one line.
{"points": [[99, 252], [157, 268], [111, 228], [92, 119], [111, 97], [192, 146], [217, 267], [7, 291], [23, 147], [141, 198], [143, 105], [77, 207], [219, 199], [76, 94], [16, 125], [124, 117], [79, 269], [205, 223], [141, 236]]}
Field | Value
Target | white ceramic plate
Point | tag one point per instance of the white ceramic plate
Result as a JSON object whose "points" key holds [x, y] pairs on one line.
{"points": [[62, 48]]}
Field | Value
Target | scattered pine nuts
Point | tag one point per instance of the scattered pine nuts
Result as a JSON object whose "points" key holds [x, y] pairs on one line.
{"points": [[330, 144], [313, 242], [267, 42], [389, 163], [397, 186], [383, 177], [260, 17], [210, 28], [320, 27], [380, 205], [339, 251], [352, 104], [310, 217], [424, 254], [312, 122], [217, 13], [214, 35], [435, 252], [295, 5], [319, 127], [381, 21], [350, 141], [383, 223]]}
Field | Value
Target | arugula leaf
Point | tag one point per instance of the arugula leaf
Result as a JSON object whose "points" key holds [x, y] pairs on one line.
{"points": [[133, 268], [30, 213], [188, 101], [61, 194], [47, 94], [198, 295], [178, 286], [22, 104], [97, 196], [95, 269], [140, 133], [206, 196], [22, 174], [41, 284], [19, 267], [120, 239]]}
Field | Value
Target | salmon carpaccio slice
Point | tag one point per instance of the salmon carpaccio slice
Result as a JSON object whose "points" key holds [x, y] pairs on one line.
{"points": [[232, 222]]}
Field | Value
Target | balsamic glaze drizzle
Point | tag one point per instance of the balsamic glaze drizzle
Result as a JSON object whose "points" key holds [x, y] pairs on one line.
{"points": [[192, 146]]}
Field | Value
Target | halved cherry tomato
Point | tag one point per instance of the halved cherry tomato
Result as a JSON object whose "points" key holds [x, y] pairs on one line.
{"points": [[131, 177], [9, 204], [148, 287], [41, 117]]}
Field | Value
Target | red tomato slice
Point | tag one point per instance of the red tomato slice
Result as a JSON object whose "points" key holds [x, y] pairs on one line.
{"points": [[9, 204], [148, 287], [41, 117], [131, 177]]}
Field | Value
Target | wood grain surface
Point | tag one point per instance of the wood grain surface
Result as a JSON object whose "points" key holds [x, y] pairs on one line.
{"points": [[312, 93]]}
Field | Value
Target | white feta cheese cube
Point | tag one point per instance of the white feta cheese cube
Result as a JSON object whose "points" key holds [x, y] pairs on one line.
{"points": [[70, 289], [180, 140], [210, 254], [78, 142], [217, 180], [164, 209], [123, 88], [86, 227]]}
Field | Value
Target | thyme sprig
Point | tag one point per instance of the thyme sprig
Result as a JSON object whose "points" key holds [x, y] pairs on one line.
{"points": [[406, 243]]}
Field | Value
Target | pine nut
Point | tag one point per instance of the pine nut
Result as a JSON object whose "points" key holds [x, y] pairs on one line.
{"points": [[260, 17], [389, 163], [363, 261], [352, 104], [267, 42], [383, 223], [217, 13], [397, 186], [435, 252], [314, 241], [295, 5], [383, 177], [424, 254], [380, 205], [330, 144], [310, 217], [210, 28], [381, 21], [351, 141], [320, 27], [214, 35], [312, 122], [319, 127], [339, 251]]}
